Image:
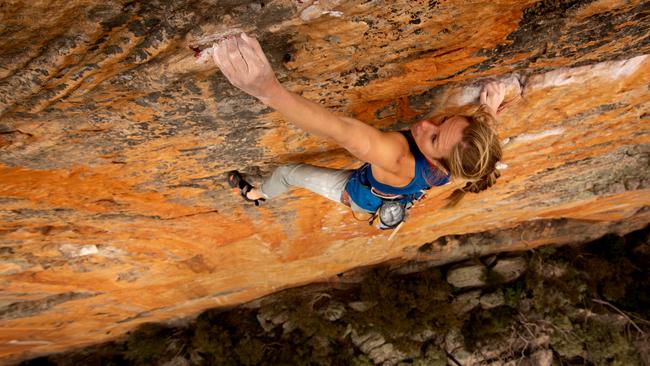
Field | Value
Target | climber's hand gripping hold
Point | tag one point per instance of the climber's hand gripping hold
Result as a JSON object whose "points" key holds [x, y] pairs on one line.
{"points": [[244, 64], [492, 95]]}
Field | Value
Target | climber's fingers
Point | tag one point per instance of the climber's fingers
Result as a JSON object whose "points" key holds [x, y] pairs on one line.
{"points": [[255, 45], [220, 57], [244, 64], [235, 56], [483, 97], [492, 95], [252, 59]]}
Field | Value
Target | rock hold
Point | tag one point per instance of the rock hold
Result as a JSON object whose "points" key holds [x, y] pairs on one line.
{"points": [[375, 346]]}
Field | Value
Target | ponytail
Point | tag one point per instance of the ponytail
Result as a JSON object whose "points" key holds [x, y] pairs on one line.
{"points": [[477, 186]]}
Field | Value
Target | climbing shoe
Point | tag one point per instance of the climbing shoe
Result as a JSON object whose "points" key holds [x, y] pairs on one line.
{"points": [[235, 180]]}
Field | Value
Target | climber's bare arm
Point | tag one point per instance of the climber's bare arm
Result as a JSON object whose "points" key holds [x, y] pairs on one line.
{"points": [[367, 143], [243, 62]]}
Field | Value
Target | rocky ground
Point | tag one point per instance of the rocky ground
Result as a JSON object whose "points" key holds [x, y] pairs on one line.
{"points": [[585, 304]]}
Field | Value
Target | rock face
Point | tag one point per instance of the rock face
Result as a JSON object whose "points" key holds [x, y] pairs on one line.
{"points": [[116, 132]]}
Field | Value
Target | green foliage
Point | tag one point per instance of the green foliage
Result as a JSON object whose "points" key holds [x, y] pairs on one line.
{"points": [[548, 294], [314, 341], [147, 344], [604, 269], [568, 347], [595, 342], [408, 303], [547, 251], [617, 275], [306, 319], [361, 360], [606, 345], [250, 351], [514, 293], [487, 325], [213, 340]]}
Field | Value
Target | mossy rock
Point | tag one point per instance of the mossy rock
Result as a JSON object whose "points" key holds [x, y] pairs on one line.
{"points": [[596, 343], [607, 345]]}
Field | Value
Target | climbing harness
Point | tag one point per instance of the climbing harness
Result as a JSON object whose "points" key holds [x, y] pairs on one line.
{"points": [[393, 211]]}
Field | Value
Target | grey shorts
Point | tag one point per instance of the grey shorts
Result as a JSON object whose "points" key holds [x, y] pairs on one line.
{"points": [[327, 182]]}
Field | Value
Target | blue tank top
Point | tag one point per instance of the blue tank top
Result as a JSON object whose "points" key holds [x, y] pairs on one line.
{"points": [[426, 176]]}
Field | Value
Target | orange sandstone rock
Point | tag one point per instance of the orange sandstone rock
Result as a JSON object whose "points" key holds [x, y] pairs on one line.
{"points": [[114, 141]]}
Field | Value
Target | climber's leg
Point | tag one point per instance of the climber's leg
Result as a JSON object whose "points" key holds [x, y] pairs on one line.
{"points": [[326, 182]]}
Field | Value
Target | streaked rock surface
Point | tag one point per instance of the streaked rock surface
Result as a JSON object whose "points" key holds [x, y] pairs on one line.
{"points": [[115, 137]]}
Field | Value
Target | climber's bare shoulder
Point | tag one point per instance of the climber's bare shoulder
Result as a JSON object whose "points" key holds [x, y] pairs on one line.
{"points": [[387, 152]]}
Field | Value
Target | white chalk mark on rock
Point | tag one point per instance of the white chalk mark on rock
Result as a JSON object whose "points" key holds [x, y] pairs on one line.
{"points": [[16, 342], [627, 67], [585, 74], [204, 56], [334, 13], [525, 137], [74, 251], [88, 250], [320, 8]]}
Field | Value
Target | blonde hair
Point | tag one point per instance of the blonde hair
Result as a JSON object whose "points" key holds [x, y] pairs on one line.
{"points": [[475, 156]]}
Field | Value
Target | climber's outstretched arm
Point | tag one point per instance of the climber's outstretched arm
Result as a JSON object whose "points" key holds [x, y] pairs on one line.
{"points": [[243, 62]]}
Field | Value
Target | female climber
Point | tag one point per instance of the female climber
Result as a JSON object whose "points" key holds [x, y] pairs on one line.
{"points": [[398, 167]]}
